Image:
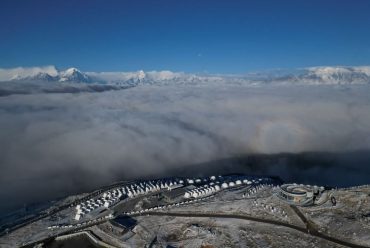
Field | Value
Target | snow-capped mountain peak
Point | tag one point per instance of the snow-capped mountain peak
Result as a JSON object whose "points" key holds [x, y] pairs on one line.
{"points": [[141, 74], [20, 73], [44, 76], [71, 71], [40, 77], [74, 75]]}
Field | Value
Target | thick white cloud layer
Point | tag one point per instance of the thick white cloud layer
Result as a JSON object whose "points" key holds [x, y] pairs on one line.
{"points": [[54, 143]]}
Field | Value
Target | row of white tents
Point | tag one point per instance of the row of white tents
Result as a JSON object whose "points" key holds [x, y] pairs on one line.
{"points": [[203, 180], [111, 197], [202, 191], [217, 184], [82, 224], [253, 190], [145, 187], [209, 186]]}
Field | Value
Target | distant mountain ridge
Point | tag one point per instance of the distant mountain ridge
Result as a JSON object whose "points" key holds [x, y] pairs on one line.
{"points": [[330, 75], [70, 75], [312, 76]]}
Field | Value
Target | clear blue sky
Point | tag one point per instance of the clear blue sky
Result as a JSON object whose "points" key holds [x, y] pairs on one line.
{"points": [[212, 36]]}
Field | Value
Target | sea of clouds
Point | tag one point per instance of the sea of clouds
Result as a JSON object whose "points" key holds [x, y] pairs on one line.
{"points": [[56, 144]]}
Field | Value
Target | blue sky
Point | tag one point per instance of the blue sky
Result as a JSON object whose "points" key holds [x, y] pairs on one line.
{"points": [[191, 35]]}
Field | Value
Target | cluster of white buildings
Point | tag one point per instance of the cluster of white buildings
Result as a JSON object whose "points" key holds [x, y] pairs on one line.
{"points": [[202, 187], [111, 197], [108, 199]]}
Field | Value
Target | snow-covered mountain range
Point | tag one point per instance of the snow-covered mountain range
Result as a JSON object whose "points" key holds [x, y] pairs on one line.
{"points": [[73, 75], [45, 74], [312, 75], [329, 75]]}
